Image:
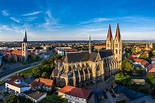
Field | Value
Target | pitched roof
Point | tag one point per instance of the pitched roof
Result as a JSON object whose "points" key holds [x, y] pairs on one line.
{"points": [[109, 35], [100, 47], [151, 68], [75, 91], [118, 35], [153, 58], [105, 53], [76, 57], [12, 81], [34, 94], [17, 52], [142, 61], [42, 82], [92, 56]]}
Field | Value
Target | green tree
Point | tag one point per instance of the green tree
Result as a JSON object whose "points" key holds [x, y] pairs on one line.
{"points": [[35, 58], [44, 75], [123, 79], [16, 99], [53, 99], [36, 72], [133, 50], [151, 78], [129, 66], [46, 68]]}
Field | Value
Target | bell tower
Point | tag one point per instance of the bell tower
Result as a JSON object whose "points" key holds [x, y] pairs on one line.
{"points": [[109, 40], [118, 47], [89, 44], [25, 47]]}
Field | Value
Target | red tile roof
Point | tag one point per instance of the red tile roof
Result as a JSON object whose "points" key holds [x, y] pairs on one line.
{"points": [[12, 81], [153, 59], [42, 82], [17, 52], [151, 68], [100, 47], [75, 91], [71, 50], [132, 57], [142, 61]]}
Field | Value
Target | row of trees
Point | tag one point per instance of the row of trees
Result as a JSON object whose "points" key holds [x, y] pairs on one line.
{"points": [[46, 67], [17, 99], [21, 99]]}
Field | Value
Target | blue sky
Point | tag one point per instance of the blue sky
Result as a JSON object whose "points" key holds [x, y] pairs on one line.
{"points": [[76, 19]]}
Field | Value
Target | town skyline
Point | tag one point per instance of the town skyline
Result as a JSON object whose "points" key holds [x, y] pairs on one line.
{"points": [[64, 20]]}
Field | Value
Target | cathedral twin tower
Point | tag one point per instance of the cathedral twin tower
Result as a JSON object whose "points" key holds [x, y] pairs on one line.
{"points": [[115, 45]]}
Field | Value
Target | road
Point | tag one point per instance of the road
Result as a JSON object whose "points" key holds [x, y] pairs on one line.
{"points": [[6, 73], [101, 85]]}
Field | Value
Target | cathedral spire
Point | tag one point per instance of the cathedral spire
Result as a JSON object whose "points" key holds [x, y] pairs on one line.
{"points": [[109, 36], [89, 44], [118, 35], [25, 38]]}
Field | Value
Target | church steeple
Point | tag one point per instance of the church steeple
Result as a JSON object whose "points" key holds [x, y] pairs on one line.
{"points": [[89, 44], [118, 46], [109, 40], [25, 47], [109, 36], [118, 35], [25, 38]]}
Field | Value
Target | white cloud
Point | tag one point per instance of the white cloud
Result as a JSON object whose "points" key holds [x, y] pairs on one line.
{"points": [[33, 13], [14, 19], [51, 23], [5, 13], [30, 18], [96, 20]]}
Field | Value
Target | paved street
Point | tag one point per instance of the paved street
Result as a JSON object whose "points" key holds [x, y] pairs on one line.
{"points": [[6, 73], [101, 85]]}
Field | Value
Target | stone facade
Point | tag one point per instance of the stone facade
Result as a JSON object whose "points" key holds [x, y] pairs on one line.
{"points": [[115, 45], [81, 68]]}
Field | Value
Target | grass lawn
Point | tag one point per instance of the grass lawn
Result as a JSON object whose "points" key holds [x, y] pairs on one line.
{"points": [[25, 73], [2, 82]]}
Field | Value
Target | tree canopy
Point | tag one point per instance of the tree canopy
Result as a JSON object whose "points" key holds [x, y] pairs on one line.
{"points": [[53, 99], [151, 78], [17, 99], [123, 79], [127, 65]]}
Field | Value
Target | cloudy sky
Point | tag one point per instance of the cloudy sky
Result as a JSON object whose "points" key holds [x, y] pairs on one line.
{"points": [[76, 19]]}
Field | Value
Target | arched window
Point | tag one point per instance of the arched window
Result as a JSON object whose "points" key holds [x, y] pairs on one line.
{"points": [[120, 51], [116, 51], [116, 45], [107, 45]]}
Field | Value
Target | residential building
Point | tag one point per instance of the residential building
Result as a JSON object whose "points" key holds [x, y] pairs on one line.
{"points": [[42, 83], [74, 94], [35, 96], [17, 85], [151, 68]]}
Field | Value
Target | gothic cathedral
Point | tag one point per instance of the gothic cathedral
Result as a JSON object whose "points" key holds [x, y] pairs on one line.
{"points": [[115, 45]]}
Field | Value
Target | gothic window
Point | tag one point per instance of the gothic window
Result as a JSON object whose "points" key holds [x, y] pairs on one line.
{"points": [[116, 45], [120, 51], [107, 45], [116, 51]]}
